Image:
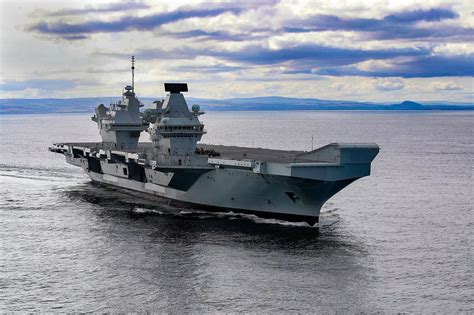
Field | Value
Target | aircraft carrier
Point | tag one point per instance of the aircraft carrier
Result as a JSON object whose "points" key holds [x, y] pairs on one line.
{"points": [[288, 185]]}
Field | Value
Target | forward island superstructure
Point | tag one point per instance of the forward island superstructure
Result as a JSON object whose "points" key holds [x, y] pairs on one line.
{"points": [[289, 185]]}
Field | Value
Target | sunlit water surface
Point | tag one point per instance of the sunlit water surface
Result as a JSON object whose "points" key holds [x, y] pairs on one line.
{"points": [[399, 240]]}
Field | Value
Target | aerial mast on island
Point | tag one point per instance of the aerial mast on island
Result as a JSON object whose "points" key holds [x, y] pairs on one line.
{"points": [[133, 73]]}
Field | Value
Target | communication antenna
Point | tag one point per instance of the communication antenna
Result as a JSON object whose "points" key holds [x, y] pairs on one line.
{"points": [[133, 73], [312, 142]]}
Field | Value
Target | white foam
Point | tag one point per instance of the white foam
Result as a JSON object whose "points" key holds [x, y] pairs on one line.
{"points": [[328, 221], [201, 214], [282, 222], [329, 217], [140, 210], [233, 216], [185, 212]]}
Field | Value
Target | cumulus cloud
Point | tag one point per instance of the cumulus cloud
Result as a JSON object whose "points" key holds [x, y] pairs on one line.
{"points": [[112, 7], [65, 29], [329, 60], [423, 66], [47, 85], [209, 35], [127, 23], [216, 68], [251, 41], [434, 14], [446, 86], [312, 54], [398, 25], [389, 84]]}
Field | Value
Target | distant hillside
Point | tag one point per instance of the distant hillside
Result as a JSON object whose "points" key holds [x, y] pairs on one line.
{"points": [[87, 105], [285, 103]]}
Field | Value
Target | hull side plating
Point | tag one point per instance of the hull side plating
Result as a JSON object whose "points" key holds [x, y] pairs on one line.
{"points": [[282, 184]]}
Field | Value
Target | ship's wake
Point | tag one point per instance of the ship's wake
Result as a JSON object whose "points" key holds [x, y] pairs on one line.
{"points": [[46, 174], [326, 219], [143, 205]]}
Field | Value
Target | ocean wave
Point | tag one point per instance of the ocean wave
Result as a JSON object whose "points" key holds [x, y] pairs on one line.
{"points": [[140, 210], [39, 173], [230, 215]]}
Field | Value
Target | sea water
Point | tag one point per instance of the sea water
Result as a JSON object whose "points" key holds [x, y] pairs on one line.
{"points": [[399, 240]]}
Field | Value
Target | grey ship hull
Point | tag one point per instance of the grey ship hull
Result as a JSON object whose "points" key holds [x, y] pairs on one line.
{"points": [[287, 185]]}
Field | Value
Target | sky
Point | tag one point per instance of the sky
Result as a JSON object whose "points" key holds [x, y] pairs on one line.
{"points": [[378, 51]]}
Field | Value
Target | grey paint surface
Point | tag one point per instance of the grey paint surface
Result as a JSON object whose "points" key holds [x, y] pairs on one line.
{"points": [[173, 166]]}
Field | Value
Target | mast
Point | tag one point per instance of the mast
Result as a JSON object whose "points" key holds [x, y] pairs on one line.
{"points": [[133, 73]]}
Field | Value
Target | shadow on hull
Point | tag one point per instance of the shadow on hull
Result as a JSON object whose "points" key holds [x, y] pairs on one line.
{"points": [[311, 220]]}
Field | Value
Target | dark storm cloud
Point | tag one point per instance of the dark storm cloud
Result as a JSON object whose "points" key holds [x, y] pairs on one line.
{"points": [[209, 35], [332, 22], [48, 85], [419, 67], [317, 54], [113, 7], [435, 14], [64, 29], [401, 25], [299, 59], [73, 37], [206, 69], [452, 33], [324, 60], [255, 54], [128, 23], [395, 26]]}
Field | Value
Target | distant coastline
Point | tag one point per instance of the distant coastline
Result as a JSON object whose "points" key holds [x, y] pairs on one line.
{"points": [[87, 105]]}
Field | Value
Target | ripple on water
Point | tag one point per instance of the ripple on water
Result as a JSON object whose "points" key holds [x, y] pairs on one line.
{"points": [[397, 241]]}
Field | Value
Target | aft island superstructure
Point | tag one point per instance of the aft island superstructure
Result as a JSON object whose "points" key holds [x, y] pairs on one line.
{"points": [[289, 185]]}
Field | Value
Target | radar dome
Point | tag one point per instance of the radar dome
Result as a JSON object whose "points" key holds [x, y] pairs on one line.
{"points": [[195, 108]]}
